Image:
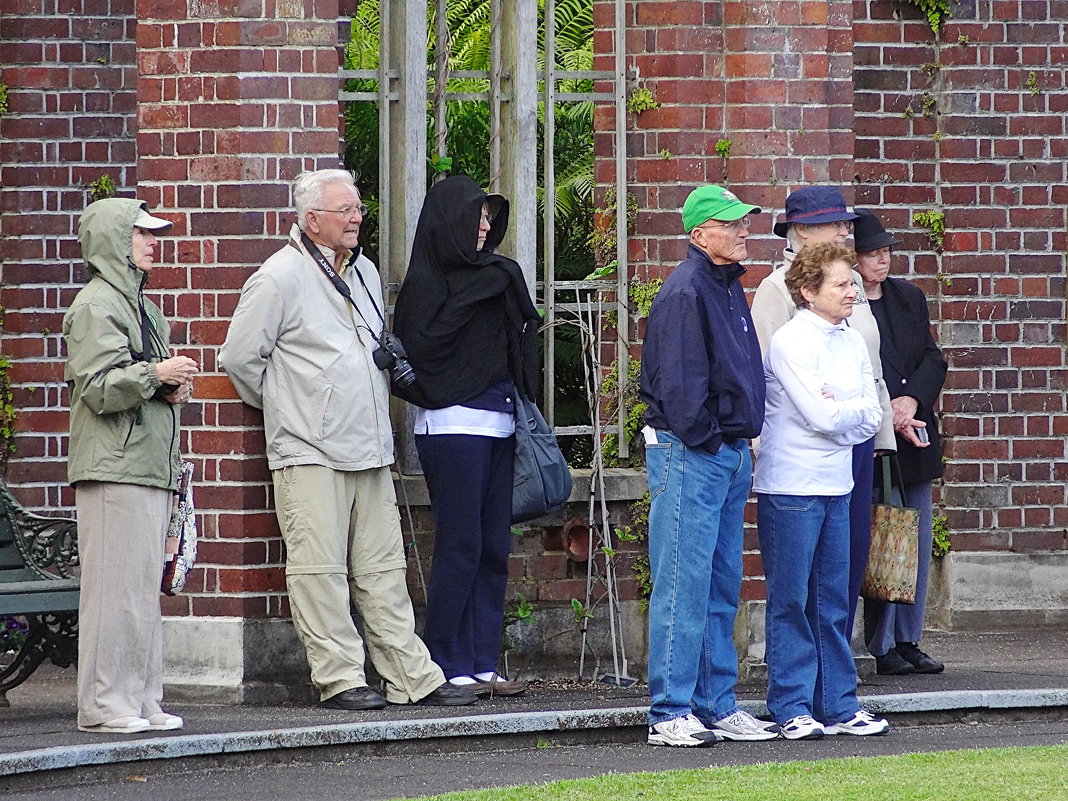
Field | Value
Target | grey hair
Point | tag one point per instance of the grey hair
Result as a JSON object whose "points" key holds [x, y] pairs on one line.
{"points": [[308, 190], [795, 241]]}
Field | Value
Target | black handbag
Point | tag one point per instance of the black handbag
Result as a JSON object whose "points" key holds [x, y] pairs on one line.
{"points": [[542, 480]]}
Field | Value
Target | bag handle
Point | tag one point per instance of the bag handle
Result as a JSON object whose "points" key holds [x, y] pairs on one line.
{"points": [[890, 461]]}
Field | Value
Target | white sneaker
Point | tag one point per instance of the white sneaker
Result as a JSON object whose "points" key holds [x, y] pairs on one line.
{"points": [[687, 732], [164, 721], [802, 727], [861, 724], [740, 725], [127, 724]]}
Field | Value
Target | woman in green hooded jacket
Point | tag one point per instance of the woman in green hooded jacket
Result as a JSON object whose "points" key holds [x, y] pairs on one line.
{"points": [[125, 394]]}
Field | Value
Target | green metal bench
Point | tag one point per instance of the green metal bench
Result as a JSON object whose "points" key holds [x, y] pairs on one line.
{"points": [[38, 582]]}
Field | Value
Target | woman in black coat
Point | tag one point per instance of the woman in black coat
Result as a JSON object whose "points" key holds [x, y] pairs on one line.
{"points": [[914, 371], [470, 328]]}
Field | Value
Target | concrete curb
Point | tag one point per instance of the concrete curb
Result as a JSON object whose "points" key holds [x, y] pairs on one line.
{"points": [[194, 745]]}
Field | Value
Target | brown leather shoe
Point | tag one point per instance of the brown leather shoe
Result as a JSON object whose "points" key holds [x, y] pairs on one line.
{"points": [[498, 686]]}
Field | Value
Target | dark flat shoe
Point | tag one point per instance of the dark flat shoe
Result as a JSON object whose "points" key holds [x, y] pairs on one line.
{"points": [[892, 664], [921, 662], [356, 698], [449, 695]]}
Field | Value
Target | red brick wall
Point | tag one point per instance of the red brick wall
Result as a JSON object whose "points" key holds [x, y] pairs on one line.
{"points": [[218, 112], [231, 106], [72, 84], [814, 92], [772, 78], [986, 144]]}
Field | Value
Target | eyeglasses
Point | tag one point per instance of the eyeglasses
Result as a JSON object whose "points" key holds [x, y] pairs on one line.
{"points": [[346, 211], [837, 225], [734, 225]]}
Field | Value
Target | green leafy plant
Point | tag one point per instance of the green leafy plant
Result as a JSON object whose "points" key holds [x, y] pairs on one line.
{"points": [[931, 68], [908, 113], [602, 238], [927, 104], [643, 293], [936, 11], [579, 610], [521, 611], [723, 148], [641, 99], [638, 530], [935, 223], [1032, 83], [941, 543], [936, 136], [963, 39], [3, 98], [102, 187], [666, 154], [9, 415]]}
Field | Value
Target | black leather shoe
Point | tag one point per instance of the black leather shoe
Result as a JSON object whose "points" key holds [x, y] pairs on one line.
{"points": [[892, 664], [360, 698], [921, 662], [449, 694]]}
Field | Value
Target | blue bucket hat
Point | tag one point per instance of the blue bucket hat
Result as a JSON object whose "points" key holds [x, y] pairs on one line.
{"points": [[812, 205]]}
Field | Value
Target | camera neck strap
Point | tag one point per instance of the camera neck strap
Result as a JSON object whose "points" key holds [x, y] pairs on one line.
{"points": [[340, 285]]}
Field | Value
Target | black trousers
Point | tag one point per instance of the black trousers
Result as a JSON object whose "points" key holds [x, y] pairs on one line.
{"points": [[470, 483]]}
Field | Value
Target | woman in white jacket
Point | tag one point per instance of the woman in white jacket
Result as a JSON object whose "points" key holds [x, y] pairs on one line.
{"points": [[821, 400]]}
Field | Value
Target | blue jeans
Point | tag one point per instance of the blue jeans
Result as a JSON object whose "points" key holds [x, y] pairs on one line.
{"points": [[804, 544], [695, 556]]}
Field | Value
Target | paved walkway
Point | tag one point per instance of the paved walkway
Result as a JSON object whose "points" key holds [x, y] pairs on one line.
{"points": [[987, 675]]}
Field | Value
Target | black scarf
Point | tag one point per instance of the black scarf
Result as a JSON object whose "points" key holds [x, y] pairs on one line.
{"points": [[464, 315]]}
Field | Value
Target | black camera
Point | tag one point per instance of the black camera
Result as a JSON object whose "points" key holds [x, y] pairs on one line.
{"points": [[390, 355]]}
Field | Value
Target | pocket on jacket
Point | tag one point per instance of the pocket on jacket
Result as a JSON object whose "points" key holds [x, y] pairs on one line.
{"points": [[326, 416]]}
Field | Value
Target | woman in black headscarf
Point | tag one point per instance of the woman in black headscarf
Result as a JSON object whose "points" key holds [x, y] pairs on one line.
{"points": [[467, 321]]}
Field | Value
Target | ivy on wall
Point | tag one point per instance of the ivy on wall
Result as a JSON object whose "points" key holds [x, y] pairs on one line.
{"points": [[936, 11]]}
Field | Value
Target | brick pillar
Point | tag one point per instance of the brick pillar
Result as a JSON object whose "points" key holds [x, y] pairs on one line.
{"points": [[230, 108], [71, 85]]}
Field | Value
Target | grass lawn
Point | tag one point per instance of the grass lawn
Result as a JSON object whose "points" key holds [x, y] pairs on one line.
{"points": [[998, 774]]}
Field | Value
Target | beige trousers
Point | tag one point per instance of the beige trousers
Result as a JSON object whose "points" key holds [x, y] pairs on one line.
{"points": [[121, 532], [343, 541]]}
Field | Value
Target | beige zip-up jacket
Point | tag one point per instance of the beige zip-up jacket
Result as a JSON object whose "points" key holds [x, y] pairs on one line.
{"points": [[773, 307], [297, 350]]}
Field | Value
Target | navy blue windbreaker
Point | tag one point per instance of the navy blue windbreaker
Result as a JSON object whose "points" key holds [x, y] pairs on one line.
{"points": [[702, 374]]}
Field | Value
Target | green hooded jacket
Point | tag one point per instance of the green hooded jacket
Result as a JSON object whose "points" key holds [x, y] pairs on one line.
{"points": [[120, 431]]}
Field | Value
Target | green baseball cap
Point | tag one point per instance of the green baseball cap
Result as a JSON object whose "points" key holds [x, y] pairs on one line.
{"points": [[713, 202]]}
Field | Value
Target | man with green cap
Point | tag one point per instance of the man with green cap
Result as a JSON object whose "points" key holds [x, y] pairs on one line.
{"points": [[703, 381]]}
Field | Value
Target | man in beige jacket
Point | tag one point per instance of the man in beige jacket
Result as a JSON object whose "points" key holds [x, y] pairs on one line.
{"points": [[303, 353]]}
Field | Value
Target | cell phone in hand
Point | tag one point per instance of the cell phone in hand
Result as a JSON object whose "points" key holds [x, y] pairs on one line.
{"points": [[921, 434]]}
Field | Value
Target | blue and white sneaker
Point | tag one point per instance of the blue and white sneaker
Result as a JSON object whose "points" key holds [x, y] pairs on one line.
{"points": [[802, 727], [686, 732], [861, 724]]}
